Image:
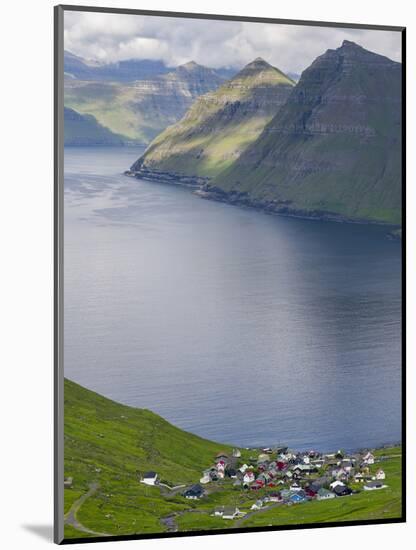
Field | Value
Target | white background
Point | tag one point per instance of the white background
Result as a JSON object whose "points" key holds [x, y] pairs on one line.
{"points": [[26, 306]]}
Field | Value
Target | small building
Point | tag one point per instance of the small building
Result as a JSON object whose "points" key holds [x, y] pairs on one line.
{"points": [[324, 494], [296, 498], [275, 497], [206, 478], [231, 472], [374, 486], [194, 493], [369, 458], [336, 483], [342, 491], [226, 512], [359, 478], [236, 453], [248, 477], [380, 474], [263, 457], [257, 505], [230, 512], [150, 478], [68, 482], [221, 456]]}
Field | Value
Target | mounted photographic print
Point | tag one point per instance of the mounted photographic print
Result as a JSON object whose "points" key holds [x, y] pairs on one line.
{"points": [[229, 274]]}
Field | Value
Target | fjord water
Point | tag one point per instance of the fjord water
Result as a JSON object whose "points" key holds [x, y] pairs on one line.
{"points": [[235, 325]]}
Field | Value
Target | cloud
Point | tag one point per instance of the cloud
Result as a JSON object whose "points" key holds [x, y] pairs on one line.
{"points": [[113, 37]]}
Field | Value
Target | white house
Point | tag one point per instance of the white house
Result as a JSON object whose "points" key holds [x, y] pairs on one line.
{"points": [[230, 513], [149, 478], [206, 478], [380, 474], [243, 468], [236, 453], [257, 505], [369, 458], [248, 477]]}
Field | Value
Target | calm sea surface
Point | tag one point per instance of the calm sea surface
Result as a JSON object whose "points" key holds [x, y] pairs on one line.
{"points": [[235, 325]]}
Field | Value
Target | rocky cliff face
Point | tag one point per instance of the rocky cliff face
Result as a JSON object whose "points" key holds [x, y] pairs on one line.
{"points": [[334, 149], [141, 109], [219, 126]]}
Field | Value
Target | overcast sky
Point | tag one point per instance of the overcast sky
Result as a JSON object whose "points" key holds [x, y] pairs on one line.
{"points": [[113, 37]]}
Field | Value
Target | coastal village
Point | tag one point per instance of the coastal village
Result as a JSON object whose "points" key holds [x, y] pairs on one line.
{"points": [[281, 476]]}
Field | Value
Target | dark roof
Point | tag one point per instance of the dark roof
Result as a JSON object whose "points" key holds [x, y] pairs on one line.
{"points": [[195, 490], [374, 484], [150, 474], [341, 490]]}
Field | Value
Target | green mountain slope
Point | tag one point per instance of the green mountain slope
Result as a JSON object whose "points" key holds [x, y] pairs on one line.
{"points": [[85, 130], [334, 149], [220, 125], [141, 109], [111, 445]]}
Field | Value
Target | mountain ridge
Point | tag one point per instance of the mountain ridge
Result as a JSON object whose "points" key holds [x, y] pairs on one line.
{"points": [[334, 149], [219, 125], [141, 109]]}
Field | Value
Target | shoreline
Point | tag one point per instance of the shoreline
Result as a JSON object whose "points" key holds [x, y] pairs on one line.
{"points": [[260, 447], [202, 188]]}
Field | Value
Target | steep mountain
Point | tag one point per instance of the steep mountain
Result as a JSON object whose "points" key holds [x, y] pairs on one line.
{"points": [[334, 149], [85, 130], [218, 127], [141, 109]]}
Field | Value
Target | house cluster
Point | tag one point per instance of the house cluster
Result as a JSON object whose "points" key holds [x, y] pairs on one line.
{"points": [[289, 477], [294, 477]]}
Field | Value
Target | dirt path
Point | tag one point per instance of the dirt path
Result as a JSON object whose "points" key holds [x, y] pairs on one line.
{"points": [[70, 517], [167, 491], [169, 521]]}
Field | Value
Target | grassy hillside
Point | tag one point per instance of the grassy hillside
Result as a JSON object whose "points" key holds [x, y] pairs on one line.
{"points": [[108, 447], [220, 125], [85, 130], [111, 445]]}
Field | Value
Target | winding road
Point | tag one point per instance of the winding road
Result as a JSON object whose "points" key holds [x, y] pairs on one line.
{"points": [[70, 517]]}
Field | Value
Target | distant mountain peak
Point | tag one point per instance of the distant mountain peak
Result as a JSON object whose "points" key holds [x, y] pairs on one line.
{"points": [[261, 70], [192, 66], [259, 63], [350, 44]]}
